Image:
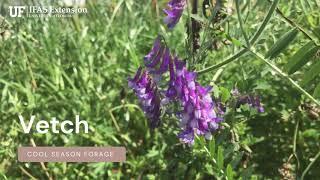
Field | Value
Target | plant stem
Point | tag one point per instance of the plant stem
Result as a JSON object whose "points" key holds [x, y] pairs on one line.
{"points": [[227, 61], [206, 29], [189, 27], [27, 173], [195, 28], [294, 149], [207, 151], [285, 76], [119, 107], [310, 165], [241, 23], [295, 137], [252, 41]]}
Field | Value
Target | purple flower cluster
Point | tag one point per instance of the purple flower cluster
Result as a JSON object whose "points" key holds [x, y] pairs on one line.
{"points": [[147, 92], [251, 100], [198, 113], [174, 12]]}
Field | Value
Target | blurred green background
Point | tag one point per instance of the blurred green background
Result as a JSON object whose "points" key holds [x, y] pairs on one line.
{"points": [[61, 67]]}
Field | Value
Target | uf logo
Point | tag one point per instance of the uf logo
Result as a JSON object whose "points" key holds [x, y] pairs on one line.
{"points": [[16, 11]]}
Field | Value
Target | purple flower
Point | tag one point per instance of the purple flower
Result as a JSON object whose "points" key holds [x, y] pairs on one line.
{"points": [[187, 136], [157, 60], [174, 12], [252, 101], [147, 92], [198, 114], [154, 56]]}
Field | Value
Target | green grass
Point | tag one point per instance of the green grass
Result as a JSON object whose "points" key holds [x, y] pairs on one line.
{"points": [[59, 67]]}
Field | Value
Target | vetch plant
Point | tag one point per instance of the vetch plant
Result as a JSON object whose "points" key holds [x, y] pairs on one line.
{"points": [[198, 113], [175, 81]]}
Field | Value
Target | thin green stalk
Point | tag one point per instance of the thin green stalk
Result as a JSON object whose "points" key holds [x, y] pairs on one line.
{"points": [[310, 165], [120, 107], [195, 29], [115, 11], [27, 173], [285, 76], [241, 24], [227, 61], [206, 28], [207, 151], [252, 41], [295, 137], [294, 149], [189, 27]]}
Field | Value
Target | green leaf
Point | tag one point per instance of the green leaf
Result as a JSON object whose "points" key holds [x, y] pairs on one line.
{"points": [[220, 158], [212, 147], [316, 92], [229, 172], [311, 74], [301, 57], [216, 92], [311, 133], [234, 41], [225, 94], [282, 43]]}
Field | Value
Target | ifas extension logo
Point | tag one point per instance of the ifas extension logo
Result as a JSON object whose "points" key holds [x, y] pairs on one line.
{"points": [[45, 11]]}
